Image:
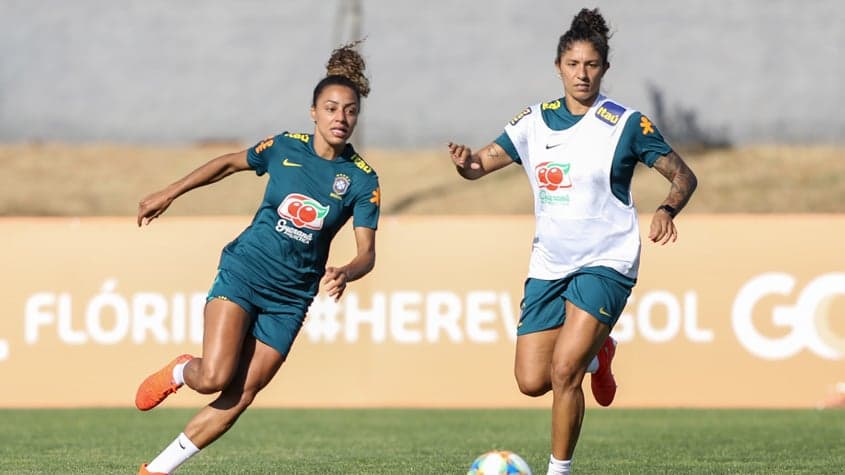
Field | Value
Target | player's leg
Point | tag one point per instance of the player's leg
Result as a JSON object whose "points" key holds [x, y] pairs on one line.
{"points": [[542, 314], [594, 301], [258, 364], [533, 360], [578, 342], [533, 363], [225, 325], [264, 351]]}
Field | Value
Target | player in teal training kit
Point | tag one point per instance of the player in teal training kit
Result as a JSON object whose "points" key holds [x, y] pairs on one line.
{"points": [[273, 268], [269, 275]]}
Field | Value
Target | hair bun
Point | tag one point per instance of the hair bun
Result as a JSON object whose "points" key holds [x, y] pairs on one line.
{"points": [[347, 62], [590, 20]]}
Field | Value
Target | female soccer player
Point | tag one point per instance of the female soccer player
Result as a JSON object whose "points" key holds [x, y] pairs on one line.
{"points": [[579, 153], [269, 274]]}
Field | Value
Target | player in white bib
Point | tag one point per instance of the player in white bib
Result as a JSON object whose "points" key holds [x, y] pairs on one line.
{"points": [[579, 153]]}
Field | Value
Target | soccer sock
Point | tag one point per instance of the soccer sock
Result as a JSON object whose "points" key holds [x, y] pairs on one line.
{"points": [[179, 373], [179, 451], [594, 365], [559, 467]]}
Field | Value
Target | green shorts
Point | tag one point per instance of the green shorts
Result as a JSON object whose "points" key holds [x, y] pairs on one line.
{"points": [[601, 291], [276, 317]]}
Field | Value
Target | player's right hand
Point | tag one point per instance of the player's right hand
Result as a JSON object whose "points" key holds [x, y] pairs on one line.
{"points": [[462, 156], [152, 206]]}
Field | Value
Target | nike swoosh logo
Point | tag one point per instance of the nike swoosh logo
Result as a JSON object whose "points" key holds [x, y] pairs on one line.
{"points": [[604, 312], [548, 146], [180, 444], [288, 163]]}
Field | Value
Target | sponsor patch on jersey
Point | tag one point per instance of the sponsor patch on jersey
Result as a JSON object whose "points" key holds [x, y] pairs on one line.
{"points": [[303, 211], [264, 145], [554, 105], [376, 198], [610, 112], [519, 116], [553, 175], [340, 186], [553, 183], [360, 163], [301, 137]]}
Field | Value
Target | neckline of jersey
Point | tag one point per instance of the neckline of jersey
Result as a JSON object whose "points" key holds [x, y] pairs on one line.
{"points": [[347, 153]]}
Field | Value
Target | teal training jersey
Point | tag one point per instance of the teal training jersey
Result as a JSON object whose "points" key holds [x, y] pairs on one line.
{"points": [[640, 142], [306, 202]]}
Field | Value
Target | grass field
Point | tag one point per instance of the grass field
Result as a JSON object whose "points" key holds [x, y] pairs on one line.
{"points": [[409, 441]]}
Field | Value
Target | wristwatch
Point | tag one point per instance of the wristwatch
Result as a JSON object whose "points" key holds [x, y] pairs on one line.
{"points": [[672, 211]]}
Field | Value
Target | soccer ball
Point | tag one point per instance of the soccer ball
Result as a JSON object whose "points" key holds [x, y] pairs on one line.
{"points": [[499, 462]]}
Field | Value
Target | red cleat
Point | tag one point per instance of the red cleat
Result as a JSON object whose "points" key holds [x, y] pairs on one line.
{"points": [[158, 385], [602, 381], [143, 471]]}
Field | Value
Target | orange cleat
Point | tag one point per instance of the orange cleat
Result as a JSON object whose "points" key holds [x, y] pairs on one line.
{"points": [[602, 381], [158, 385], [143, 471]]}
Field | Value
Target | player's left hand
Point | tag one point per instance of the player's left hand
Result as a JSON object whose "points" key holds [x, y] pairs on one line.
{"points": [[334, 282], [663, 230]]}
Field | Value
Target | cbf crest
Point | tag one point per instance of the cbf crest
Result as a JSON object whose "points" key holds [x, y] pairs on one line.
{"points": [[340, 185]]}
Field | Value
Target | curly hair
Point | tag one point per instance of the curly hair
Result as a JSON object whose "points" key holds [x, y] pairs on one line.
{"points": [[587, 25], [345, 67]]}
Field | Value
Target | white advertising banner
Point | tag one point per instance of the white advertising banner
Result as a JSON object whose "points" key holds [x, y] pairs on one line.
{"points": [[743, 311]]}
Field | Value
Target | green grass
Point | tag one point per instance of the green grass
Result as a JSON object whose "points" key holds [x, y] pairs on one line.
{"points": [[395, 441]]}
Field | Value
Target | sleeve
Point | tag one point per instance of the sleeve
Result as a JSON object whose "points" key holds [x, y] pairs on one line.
{"points": [[506, 143], [258, 155], [515, 136], [647, 143], [367, 207]]}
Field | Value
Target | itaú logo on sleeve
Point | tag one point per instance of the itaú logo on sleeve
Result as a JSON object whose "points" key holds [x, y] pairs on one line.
{"points": [[807, 322], [302, 211]]}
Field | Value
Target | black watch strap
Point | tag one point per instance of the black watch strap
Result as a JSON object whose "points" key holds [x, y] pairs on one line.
{"points": [[672, 211]]}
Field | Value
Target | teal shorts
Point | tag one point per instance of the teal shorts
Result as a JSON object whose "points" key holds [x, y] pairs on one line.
{"points": [[600, 291], [276, 317]]}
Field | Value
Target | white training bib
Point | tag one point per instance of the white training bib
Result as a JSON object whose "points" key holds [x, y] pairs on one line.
{"points": [[579, 222]]}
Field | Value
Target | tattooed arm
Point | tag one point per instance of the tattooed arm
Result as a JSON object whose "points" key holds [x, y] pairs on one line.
{"points": [[475, 165], [684, 182]]}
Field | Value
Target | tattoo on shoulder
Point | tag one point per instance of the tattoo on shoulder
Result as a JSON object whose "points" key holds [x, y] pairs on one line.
{"points": [[493, 153]]}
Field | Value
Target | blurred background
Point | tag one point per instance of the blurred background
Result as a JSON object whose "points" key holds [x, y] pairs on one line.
{"points": [[157, 72], [103, 102]]}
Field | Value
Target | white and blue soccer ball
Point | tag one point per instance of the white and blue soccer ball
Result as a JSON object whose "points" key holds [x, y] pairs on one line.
{"points": [[499, 462]]}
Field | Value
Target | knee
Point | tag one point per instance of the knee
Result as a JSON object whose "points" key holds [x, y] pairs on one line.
{"points": [[211, 379], [566, 375], [534, 385], [234, 400], [247, 396]]}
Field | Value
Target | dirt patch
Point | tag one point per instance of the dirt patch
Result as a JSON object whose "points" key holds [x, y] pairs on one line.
{"points": [[109, 180]]}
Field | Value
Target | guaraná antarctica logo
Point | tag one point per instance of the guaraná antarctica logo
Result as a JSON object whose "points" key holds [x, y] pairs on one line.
{"points": [[302, 211], [553, 175]]}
